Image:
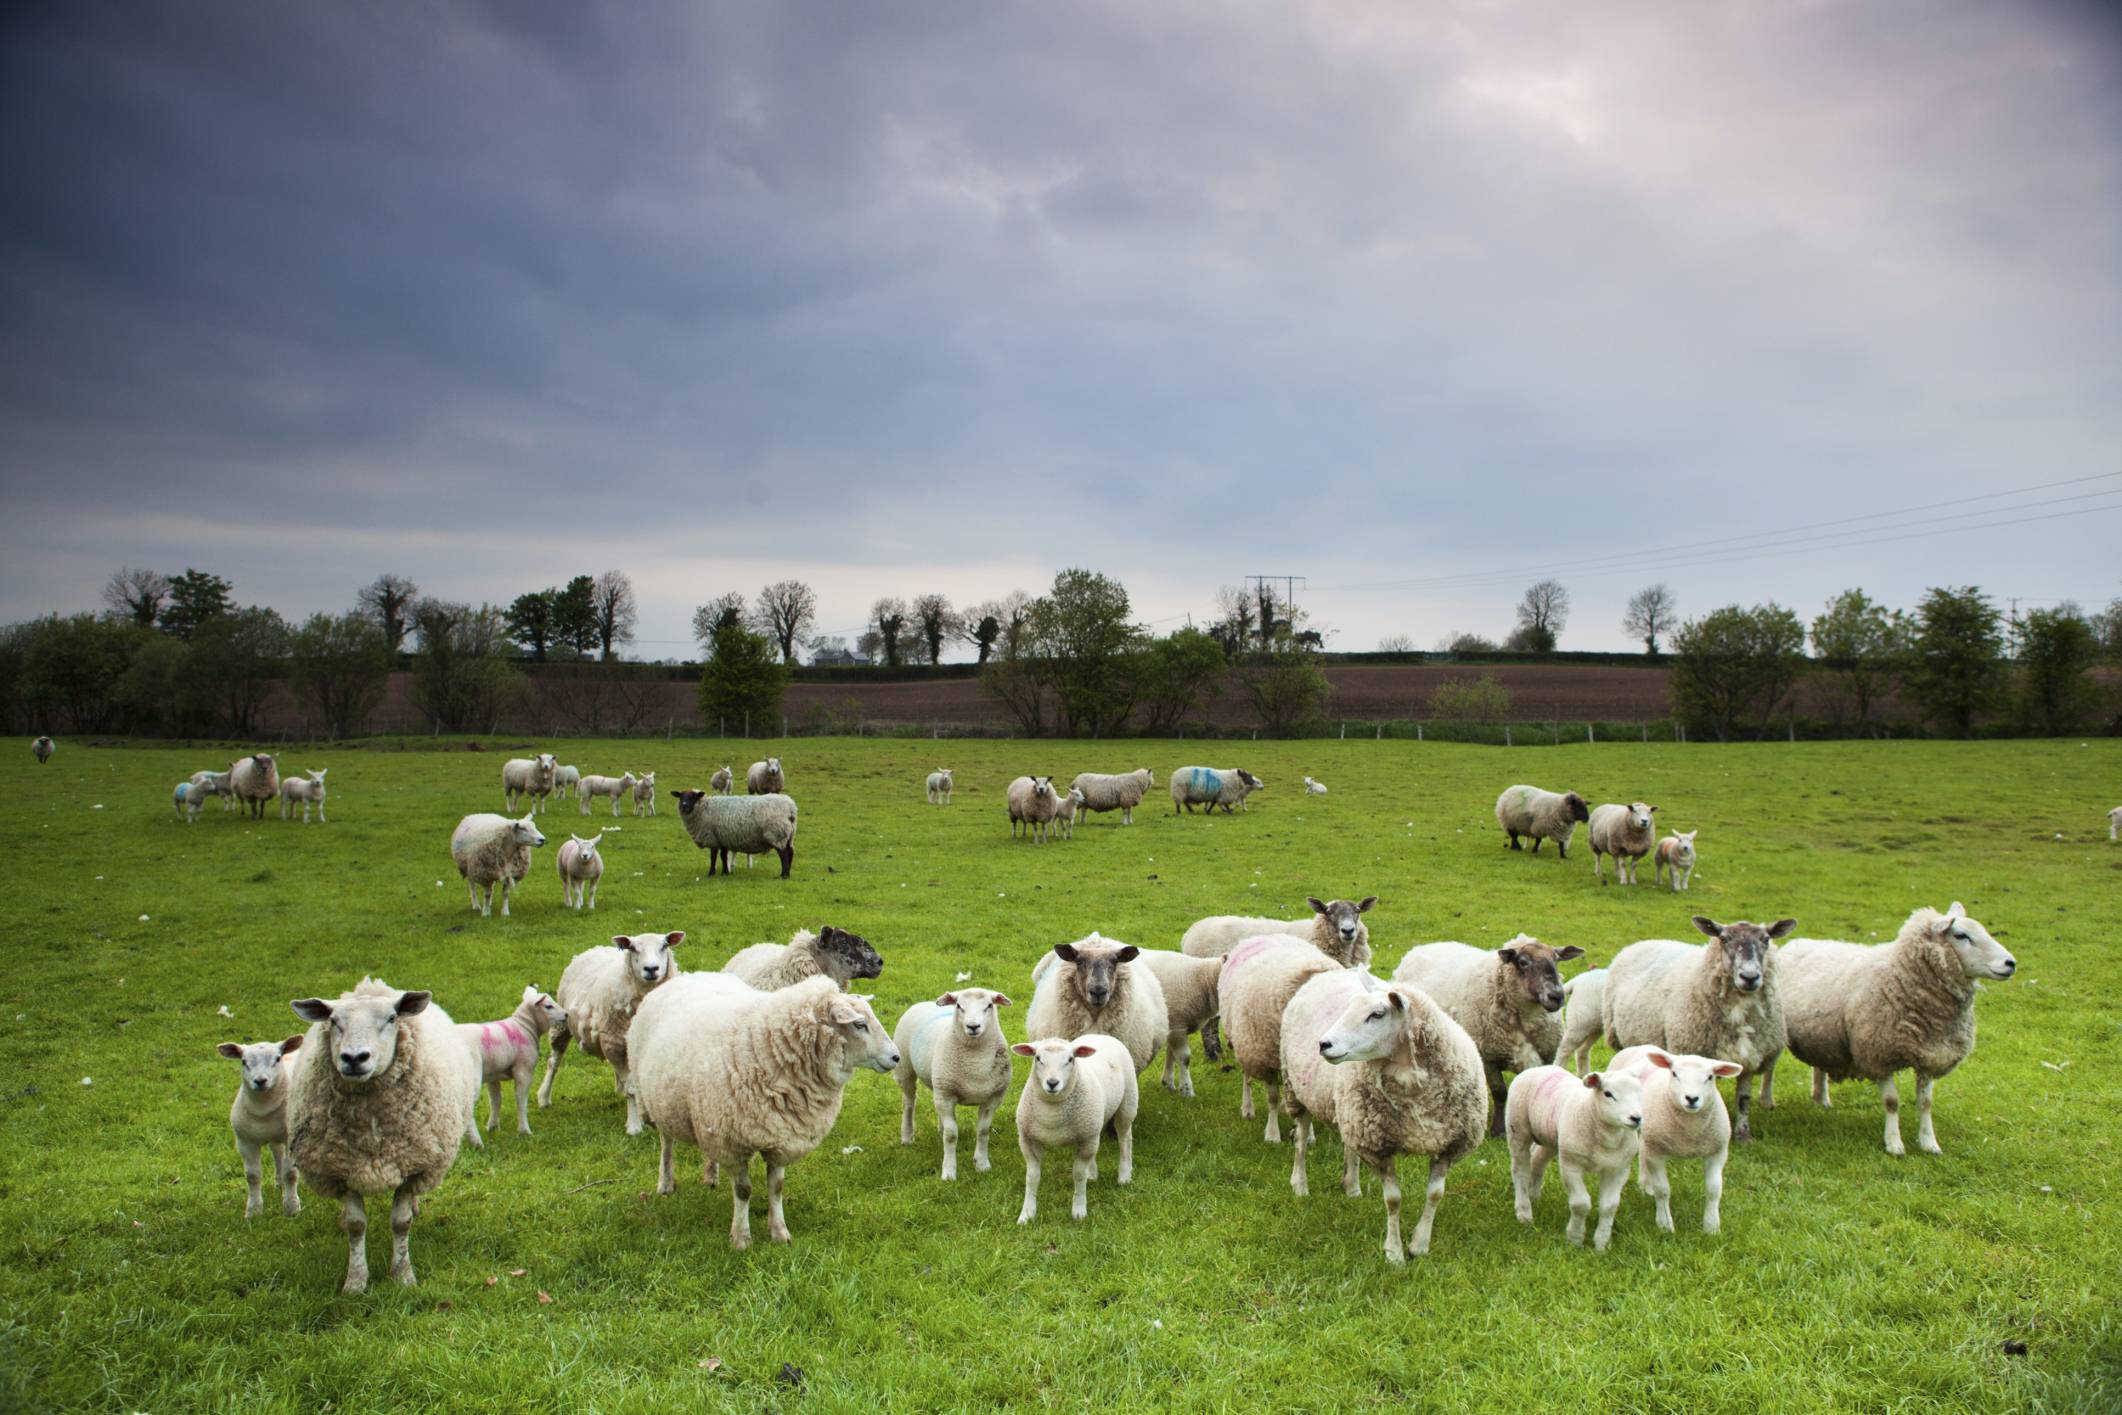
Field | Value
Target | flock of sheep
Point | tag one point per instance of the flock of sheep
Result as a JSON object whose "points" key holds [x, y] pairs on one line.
{"points": [[250, 783]]}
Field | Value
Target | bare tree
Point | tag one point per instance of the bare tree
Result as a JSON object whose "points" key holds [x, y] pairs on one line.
{"points": [[783, 611], [888, 617], [717, 613], [612, 601], [137, 595], [390, 599], [1652, 614], [1541, 614], [1396, 643]]}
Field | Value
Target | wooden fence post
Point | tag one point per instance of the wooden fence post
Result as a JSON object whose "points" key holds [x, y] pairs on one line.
{"points": [[1506, 734]]}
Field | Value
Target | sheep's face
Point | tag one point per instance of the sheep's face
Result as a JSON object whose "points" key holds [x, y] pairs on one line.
{"points": [[689, 799], [261, 1061], [1641, 818], [1533, 971], [1574, 804], [1684, 847], [1981, 955], [868, 1044], [648, 780], [1097, 963], [943, 776], [585, 851], [1345, 918], [547, 761], [1151, 777], [1252, 783], [1042, 787], [526, 832], [361, 1032], [1053, 1065], [1692, 1083], [848, 955], [1619, 1096], [974, 1010], [1369, 1028], [773, 766], [1746, 947], [548, 1014], [648, 956]]}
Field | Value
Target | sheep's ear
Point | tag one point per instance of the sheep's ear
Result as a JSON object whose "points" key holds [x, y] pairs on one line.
{"points": [[1955, 912], [315, 1009], [1508, 953], [846, 1010], [622, 943], [1025, 1049], [1709, 926], [1725, 1068], [1318, 905], [1002, 1001], [949, 999], [1129, 953], [411, 1004], [1591, 1080], [1659, 1058], [1364, 906], [230, 1050], [1399, 1003], [1066, 952], [293, 1043], [1781, 927], [1563, 955], [1086, 1049], [674, 938]]}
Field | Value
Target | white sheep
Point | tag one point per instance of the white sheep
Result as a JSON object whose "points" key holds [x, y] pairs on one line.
{"points": [[567, 781], [1189, 987], [1212, 786], [1122, 792], [42, 750], [253, 781], [1314, 788], [488, 850], [1676, 858], [722, 782], [599, 992], [1079, 1087], [216, 784], [1508, 1000], [308, 789], [580, 867], [1683, 1118], [1259, 978], [258, 1118], [748, 825], [1584, 1021], [1335, 929], [1065, 812], [530, 777], [1627, 833], [2114, 817], [1095, 985], [955, 1047], [591, 787], [838, 954], [644, 795], [765, 778], [1593, 1126], [507, 1050], [188, 800], [939, 787], [1032, 805], [1870, 1011], [1540, 815]]}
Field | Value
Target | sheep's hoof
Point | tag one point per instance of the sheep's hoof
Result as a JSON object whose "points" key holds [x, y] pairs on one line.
{"points": [[1929, 1147]]}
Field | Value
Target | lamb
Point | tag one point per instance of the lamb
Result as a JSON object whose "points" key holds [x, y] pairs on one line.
{"points": [[383, 1095], [1395, 1074], [764, 778], [1079, 1087], [1259, 978], [258, 1117], [1095, 985], [590, 787], [1336, 929], [1065, 810], [955, 1045], [508, 1050], [838, 954], [1507, 1001], [1120, 793], [216, 784], [599, 991], [1719, 999], [490, 849], [1583, 1023], [42, 750], [1032, 804], [531, 777], [1627, 833], [739, 1073], [1595, 1126], [2114, 817], [188, 800], [567, 781], [253, 781], [1854, 1010], [939, 787], [750, 825], [1189, 987], [1314, 788], [1542, 815], [1676, 855], [580, 867], [721, 783], [1683, 1118], [1212, 787], [644, 795], [308, 789]]}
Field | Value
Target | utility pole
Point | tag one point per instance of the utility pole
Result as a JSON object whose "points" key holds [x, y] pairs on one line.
{"points": [[1288, 601]]}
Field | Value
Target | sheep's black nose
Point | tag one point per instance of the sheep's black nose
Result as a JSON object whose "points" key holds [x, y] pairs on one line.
{"points": [[1325, 1047], [353, 1060], [1635, 1120]]}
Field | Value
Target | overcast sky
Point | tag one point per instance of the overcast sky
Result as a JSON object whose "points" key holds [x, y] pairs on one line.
{"points": [[1420, 301]]}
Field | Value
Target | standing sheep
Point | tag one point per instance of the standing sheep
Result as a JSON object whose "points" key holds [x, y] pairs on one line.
{"points": [[836, 953], [1079, 1088], [1584, 1021], [216, 784], [1627, 833], [1120, 793], [253, 781], [1212, 786], [507, 1050], [722, 783], [384, 1091], [1683, 1118], [1259, 978], [590, 787], [1676, 855], [1336, 929], [258, 1118], [599, 992], [489, 850], [188, 800], [567, 781], [1869, 1011], [532, 777], [939, 787], [1541, 815], [1189, 987], [1508, 1001], [954, 1045], [1065, 810], [308, 789], [749, 825], [1593, 1126], [644, 795], [2114, 817], [580, 867], [41, 749], [1033, 805], [765, 779], [1095, 985]]}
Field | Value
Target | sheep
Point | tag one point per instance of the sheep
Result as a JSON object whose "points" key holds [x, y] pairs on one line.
{"points": [[253, 781], [1189, 987], [1594, 1126], [765, 779], [1627, 833], [1120, 793], [1336, 929], [307, 789], [1079, 1087], [1314, 788], [838, 954], [567, 781], [188, 801], [1869, 1011], [644, 795], [2114, 817], [721, 783], [216, 784], [1259, 978], [750, 825], [531, 777], [580, 867], [939, 787], [42, 750], [384, 1091], [1506, 999], [599, 991], [955, 1045], [590, 787], [508, 1050], [1683, 1118], [1721, 998], [1583, 1023], [258, 1118], [1094, 985], [1033, 805], [738, 1073], [1394, 1074], [1676, 855], [1542, 815], [490, 849], [1065, 810], [1212, 787]]}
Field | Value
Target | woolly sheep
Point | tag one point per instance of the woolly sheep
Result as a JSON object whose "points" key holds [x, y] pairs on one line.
{"points": [[1189, 987], [644, 795], [1683, 1118], [383, 1095], [1594, 1126], [2114, 817], [743, 1073], [1508, 1000], [955, 1046], [42, 750], [532, 777], [1394, 1074], [1212, 786], [722, 782], [1033, 805], [258, 1118], [1627, 833], [591, 787], [253, 781], [838, 954], [1541, 815], [1854, 1010], [599, 992], [216, 784], [765, 779], [1582, 1024], [188, 800], [1259, 978], [1722, 998], [1095, 985], [939, 787], [1065, 810], [1336, 929], [749, 825], [490, 849], [1314, 788], [567, 781], [1676, 856], [1120, 793], [308, 789], [580, 868], [508, 1050], [1079, 1087]]}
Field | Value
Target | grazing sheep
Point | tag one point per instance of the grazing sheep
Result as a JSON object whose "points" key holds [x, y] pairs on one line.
{"points": [[253, 781], [384, 1091], [1594, 1126], [1676, 855], [1683, 1118], [955, 1045], [1721, 998], [1212, 786], [258, 1118], [1032, 804], [580, 867], [1869, 1011], [1079, 1088], [765, 779], [1314, 788], [591, 787], [42, 750], [722, 782], [1627, 833], [1189, 987], [838, 954], [2114, 817], [188, 800], [1583, 1024], [1065, 810], [1120, 793], [737, 1073], [1259, 978], [939, 787], [1336, 929], [508, 1050], [532, 777], [567, 781], [307, 789], [216, 784], [1541, 815], [1506, 999], [490, 849], [749, 825], [1394, 1074], [599, 992], [644, 795], [1095, 985]]}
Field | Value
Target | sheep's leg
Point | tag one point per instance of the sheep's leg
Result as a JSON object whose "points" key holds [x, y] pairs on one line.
{"points": [[1351, 1170], [1086, 1169], [1245, 1097], [1890, 1097], [1274, 1110], [253, 1176], [474, 893], [1185, 1052], [1926, 1138], [740, 1189], [508, 890], [320, 815], [1599, 867], [1032, 1157], [1712, 1191], [493, 1102], [552, 1068], [1432, 1195], [633, 1102], [522, 1077], [1742, 1125], [1610, 1186], [666, 1171], [284, 1168], [1299, 1138], [776, 1183], [403, 1207], [582, 799], [1820, 1094], [1495, 1098], [1537, 1162], [1212, 1039], [592, 894], [471, 1125], [353, 1217], [947, 1122], [710, 1170], [788, 858], [1125, 1122], [986, 1124], [1389, 1170], [1651, 1174], [909, 1087], [1579, 1201]]}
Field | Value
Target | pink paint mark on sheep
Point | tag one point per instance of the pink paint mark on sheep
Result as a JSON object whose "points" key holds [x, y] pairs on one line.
{"points": [[1249, 950], [515, 1032]]}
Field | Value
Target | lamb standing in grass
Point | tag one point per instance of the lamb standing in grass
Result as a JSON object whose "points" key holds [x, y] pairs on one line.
{"points": [[2114, 817], [1683, 1118], [531, 777], [1509, 1001], [939, 787], [188, 800], [308, 789], [748, 825], [1259, 978], [1079, 1087], [1033, 805], [580, 867], [599, 992], [591, 787], [1627, 833], [258, 1117], [644, 795], [1095, 985], [489, 850], [1540, 815], [567, 781], [253, 781], [1676, 856], [1120, 793], [41, 749], [1583, 1023], [836, 953], [955, 1046], [1211, 787], [1189, 987], [1065, 810], [1594, 1126], [383, 1094], [764, 778], [216, 784], [507, 1050], [1869, 1011], [722, 782]]}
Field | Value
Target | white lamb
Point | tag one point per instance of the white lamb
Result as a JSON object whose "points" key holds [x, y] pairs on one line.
{"points": [[592, 787], [1079, 1087], [216, 784], [530, 777], [644, 795], [188, 800], [1065, 812], [1095, 985], [488, 850], [1540, 815], [599, 992], [567, 781], [1314, 788], [307, 789], [2114, 821], [580, 867], [722, 782], [1676, 857], [258, 1117], [939, 787], [1594, 1126], [1683, 1118], [1627, 833], [1122, 792], [1583, 1023], [955, 1047], [507, 1050], [1189, 986], [1507, 999]]}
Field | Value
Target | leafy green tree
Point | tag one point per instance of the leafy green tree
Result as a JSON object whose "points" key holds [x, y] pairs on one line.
{"points": [[1956, 668], [1863, 645], [984, 634], [2056, 693], [74, 669], [888, 617], [935, 621], [1734, 666], [341, 665], [1283, 685], [575, 618], [462, 676], [743, 680], [239, 656], [530, 621], [194, 598], [1174, 675], [1482, 699], [1081, 631]]}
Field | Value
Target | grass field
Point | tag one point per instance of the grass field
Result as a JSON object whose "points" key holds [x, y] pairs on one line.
{"points": [[1844, 1279]]}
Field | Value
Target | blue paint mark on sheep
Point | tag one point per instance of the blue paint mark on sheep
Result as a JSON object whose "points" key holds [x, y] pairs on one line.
{"points": [[922, 1044], [1206, 783]]}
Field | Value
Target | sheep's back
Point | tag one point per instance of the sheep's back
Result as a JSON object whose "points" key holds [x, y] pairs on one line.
{"points": [[1640, 987]]}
